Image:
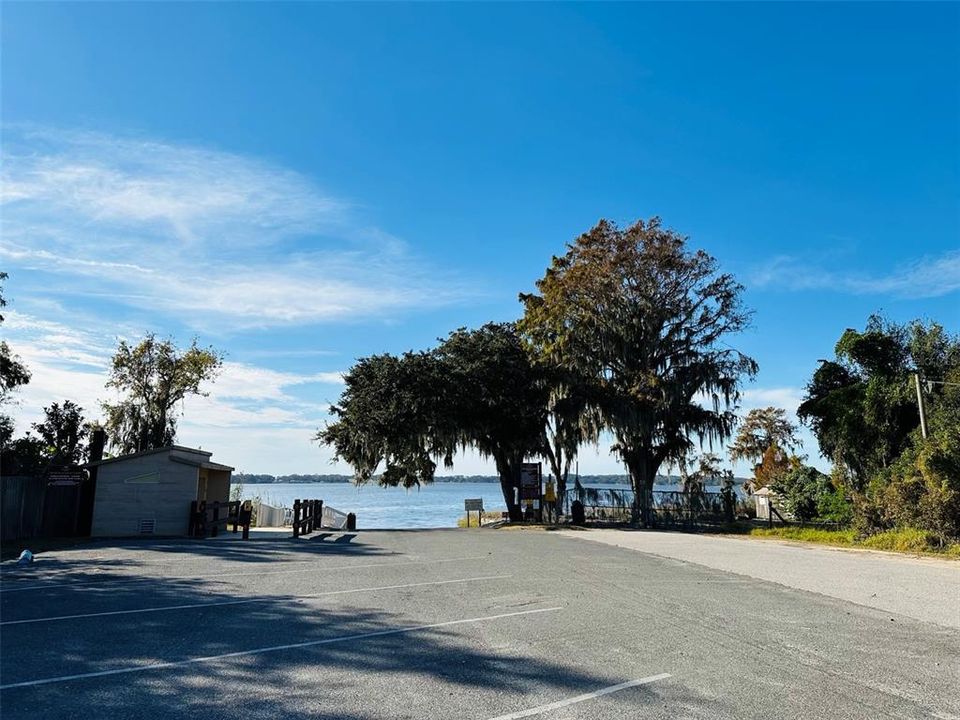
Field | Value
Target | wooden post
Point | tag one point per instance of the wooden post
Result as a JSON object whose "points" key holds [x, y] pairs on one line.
{"points": [[215, 522], [192, 525], [244, 516], [296, 518]]}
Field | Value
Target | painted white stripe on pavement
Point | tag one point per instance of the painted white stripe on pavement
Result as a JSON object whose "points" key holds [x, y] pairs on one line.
{"points": [[581, 698], [113, 581], [249, 600], [273, 648]]}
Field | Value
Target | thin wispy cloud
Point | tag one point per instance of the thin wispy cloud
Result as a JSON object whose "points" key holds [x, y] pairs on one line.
{"points": [[72, 364], [924, 277], [788, 398], [210, 236]]}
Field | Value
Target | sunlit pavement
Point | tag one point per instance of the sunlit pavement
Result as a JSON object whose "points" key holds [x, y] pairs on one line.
{"points": [[923, 588]]}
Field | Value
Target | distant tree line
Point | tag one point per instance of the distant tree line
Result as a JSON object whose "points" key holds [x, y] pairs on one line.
{"points": [[258, 478]]}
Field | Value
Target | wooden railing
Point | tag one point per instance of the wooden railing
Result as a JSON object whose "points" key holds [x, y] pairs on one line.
{"points": [[208, 519], [307, 516]]}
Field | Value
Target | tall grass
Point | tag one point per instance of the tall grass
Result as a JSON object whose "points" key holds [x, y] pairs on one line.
{"points": [[905, 540], [488, 516]]}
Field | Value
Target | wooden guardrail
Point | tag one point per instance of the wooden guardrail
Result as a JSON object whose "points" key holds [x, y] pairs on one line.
{"points": [[209, 519], [307, 516]]}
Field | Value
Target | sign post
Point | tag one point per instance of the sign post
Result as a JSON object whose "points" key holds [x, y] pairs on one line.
{"points": [[474, 505], [530, 487]]}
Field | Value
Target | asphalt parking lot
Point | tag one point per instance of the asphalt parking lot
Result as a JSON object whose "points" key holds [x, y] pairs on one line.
{"points": [[476, 624]]}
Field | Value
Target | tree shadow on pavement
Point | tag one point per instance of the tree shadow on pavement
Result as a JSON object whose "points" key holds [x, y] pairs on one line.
{"points": [[387, 675], [145, 553]]}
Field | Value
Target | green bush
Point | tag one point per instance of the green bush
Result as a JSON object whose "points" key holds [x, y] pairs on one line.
{"points": [[921, 489], [802, 490], [833, 506]]}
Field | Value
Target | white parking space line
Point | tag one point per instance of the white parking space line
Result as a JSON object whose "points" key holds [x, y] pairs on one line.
{"points": [[112, 582], [250, 600], [13, 572], [581, 698], [272, 648]]}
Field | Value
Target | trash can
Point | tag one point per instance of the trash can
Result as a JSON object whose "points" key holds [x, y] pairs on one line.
{"points": [[577, 514]]}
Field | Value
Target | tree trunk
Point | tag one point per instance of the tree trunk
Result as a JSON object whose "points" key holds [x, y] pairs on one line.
{"points": [[509, 479], [507, 486], [643, 471], [560, 469]]}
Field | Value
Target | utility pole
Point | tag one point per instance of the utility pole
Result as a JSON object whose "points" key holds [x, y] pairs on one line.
{"points": [[923, 414]]}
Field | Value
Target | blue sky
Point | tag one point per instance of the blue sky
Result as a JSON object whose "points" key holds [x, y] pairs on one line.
{"points": [[301, 185]]}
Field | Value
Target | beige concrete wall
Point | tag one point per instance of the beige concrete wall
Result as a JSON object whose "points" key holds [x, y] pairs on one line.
{"points": [[148, 487], [218, 485]]}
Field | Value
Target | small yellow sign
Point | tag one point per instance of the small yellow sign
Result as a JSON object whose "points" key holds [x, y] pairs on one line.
{"points": [[550, 494]]}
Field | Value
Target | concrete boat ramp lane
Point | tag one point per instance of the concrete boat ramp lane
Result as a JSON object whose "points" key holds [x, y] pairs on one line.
{"points": [[477, 624]]}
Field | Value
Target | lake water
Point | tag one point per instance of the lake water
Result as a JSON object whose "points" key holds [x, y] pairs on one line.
{"points": [[437, 505]]}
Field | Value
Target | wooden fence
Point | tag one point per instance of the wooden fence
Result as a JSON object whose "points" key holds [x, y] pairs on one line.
{"points": [[209, 519], [307, 515], [44, 507]]}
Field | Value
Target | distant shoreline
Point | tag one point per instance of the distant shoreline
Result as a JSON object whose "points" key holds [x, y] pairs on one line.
{"points": [[260, 479]]}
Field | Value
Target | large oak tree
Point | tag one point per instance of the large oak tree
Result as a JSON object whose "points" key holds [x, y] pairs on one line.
{"points": [[400, 415], [644, 321]]}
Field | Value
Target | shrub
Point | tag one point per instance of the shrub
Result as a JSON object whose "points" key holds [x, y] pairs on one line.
{"points": [[922, 488], [802, 490], [833, 506]]}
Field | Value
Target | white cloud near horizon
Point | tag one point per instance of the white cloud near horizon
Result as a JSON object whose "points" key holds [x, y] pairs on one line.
{"points": [[925, 277], [206, 236], [250, 411]]}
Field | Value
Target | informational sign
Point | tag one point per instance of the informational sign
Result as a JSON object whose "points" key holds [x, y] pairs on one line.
{"points": [[473, 505], [530, 481], [64, 476]]}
